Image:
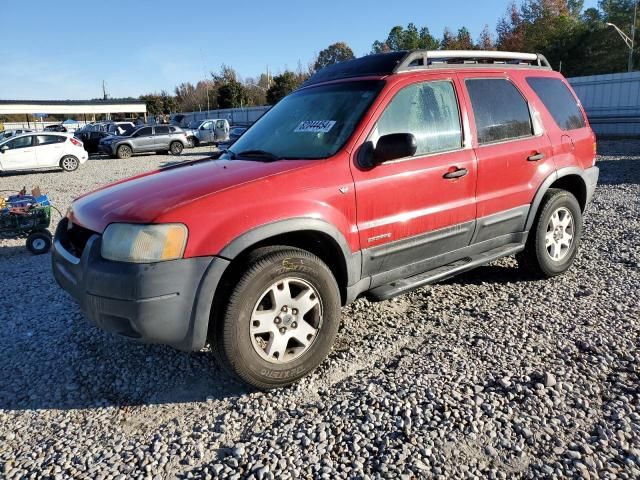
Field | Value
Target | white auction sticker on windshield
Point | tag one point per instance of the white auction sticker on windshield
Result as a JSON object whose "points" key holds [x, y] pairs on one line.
{"points": [[315, 126]]}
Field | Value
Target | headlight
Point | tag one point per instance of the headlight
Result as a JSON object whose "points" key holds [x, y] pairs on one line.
{"points": [[125, 242]]}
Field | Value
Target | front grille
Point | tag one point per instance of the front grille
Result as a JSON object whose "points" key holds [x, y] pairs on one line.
{"points": [[74, 239]]}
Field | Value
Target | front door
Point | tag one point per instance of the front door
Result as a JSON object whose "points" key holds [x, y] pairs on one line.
{"points": [[413, 209], [144, 140], [20, 154], [206, 132], [221, 131]]}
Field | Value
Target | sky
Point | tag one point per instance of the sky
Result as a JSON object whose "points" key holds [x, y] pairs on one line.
{"points": [[64, 50]]}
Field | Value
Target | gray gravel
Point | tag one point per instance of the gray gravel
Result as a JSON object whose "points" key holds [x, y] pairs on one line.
{"points": [[489, 375]]}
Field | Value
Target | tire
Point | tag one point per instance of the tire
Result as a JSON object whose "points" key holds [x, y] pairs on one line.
{"points": [[69, 163], [248, 342], [39, 242], [555, 236], [176, 148], [124, 151]]}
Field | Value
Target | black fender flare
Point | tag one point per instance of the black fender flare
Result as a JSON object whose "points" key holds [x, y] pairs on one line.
{"points": [[353, 262], [537, 199]]}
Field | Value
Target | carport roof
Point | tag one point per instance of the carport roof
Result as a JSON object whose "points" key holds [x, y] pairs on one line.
{"points": [[72, 106]]}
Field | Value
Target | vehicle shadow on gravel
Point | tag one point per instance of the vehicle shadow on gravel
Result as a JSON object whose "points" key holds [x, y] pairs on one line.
{"points": [[619, 172], [498, 274]]}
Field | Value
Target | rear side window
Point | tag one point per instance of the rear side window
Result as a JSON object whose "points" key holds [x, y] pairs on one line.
{"points": [[144, 132], [162, 130], [427, 110], [560, 102], [48, 139], [500, 111]]}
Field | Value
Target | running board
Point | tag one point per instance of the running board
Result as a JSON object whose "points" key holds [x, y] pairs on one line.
{"points": [[384, 292]]}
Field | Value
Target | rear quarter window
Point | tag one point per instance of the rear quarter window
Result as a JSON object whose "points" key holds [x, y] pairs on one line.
{"points": [[559, 101]]}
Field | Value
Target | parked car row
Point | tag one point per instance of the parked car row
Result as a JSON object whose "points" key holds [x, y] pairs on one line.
{"points": [[157, 138]]}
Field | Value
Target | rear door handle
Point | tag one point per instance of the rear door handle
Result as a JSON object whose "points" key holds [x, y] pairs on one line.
{"points": [[535, 157], [459, 172]]}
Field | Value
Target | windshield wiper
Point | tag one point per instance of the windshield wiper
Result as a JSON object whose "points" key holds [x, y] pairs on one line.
{"points": [[254, 153]]}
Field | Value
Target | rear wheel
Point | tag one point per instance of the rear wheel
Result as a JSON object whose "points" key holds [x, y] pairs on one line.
{"points": [[39, 242], [124, 151], [280, 320], [555, 237], [69, 163], [176, 148]]}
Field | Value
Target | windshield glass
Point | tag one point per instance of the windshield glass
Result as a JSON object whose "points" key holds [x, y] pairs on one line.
{"points": [[195, 124], [312, 123]]}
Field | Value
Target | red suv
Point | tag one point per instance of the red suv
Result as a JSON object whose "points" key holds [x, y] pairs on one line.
{"points": [[378, 176]]}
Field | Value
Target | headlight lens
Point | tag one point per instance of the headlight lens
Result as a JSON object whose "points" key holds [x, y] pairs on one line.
{"points": [[125, 242]]}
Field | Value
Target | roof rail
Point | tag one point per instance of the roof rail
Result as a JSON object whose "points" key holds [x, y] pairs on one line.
{"points": [[421, 59]]}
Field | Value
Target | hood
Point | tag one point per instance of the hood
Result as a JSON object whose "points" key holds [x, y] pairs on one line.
{"points": [[145, 198]]}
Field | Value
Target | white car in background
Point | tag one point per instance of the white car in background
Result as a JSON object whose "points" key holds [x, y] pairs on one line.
{"points": [[41, 150]]}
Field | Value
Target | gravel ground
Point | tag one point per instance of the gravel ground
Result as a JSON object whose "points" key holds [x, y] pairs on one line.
{"points": [[489, 375]]}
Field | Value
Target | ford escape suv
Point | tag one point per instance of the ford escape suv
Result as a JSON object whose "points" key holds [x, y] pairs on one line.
{"points": [[379, 175]]}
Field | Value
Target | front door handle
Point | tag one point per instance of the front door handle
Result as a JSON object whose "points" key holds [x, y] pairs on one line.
{"points": [[457, 173], [535, 157]]}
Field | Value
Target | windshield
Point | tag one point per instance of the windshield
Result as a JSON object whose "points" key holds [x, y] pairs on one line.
{"points": [[195, 124], [312, 123]]}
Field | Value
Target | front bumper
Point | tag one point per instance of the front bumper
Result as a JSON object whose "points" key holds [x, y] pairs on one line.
{"points": [[166, 302]]}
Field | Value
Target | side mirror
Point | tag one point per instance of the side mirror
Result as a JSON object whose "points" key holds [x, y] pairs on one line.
{"points": [[389, 147], [4, 148]]}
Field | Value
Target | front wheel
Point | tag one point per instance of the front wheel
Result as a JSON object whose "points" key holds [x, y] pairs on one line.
{"points": [[176, 148], [124, 151], [280, 320], [555, 237], [69, 163]]}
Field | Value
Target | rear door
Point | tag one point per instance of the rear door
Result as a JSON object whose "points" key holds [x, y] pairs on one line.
{"points": [[49, 149], [412, 209], [20, 154], [514, 154]]}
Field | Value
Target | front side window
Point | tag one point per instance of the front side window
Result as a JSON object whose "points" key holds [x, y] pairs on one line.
{"points": [[500, 111], [560, 102], [429, 111], [20, 142], [311, 123], [207, 126]]}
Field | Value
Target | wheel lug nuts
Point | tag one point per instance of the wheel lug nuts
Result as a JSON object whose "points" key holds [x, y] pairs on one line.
{"points": [[294, 311], [277, 320], [294, 325], [282, 330], [284, 309]]}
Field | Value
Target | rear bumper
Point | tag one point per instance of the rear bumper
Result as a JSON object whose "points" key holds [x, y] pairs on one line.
{"points": [[591, 179], [166, 302]]}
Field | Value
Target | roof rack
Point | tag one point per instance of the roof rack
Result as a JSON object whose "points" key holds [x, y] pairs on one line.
{"points": [[420, 59], [382, 64]]}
